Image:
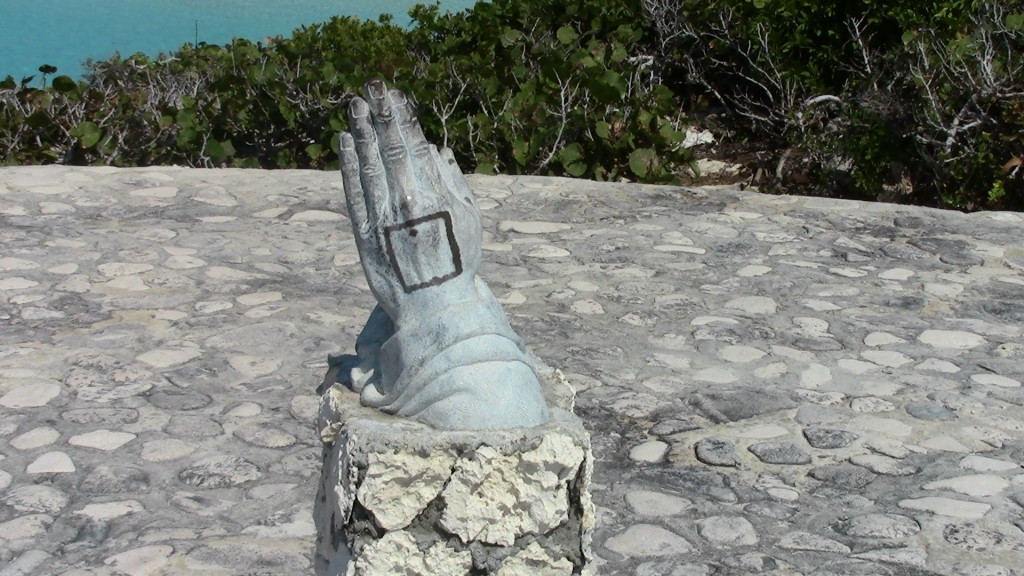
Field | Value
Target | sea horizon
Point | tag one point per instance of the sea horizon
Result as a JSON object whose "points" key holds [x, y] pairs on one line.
{"points": [[66, 33]]}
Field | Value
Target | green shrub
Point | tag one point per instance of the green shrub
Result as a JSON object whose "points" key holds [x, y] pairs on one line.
{"points": [[533, 86], [863, 95], [868, 93], [247, 104], [970, 99], [546, 87]]}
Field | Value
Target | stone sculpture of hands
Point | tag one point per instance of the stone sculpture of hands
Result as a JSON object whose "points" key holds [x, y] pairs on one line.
{"points": [[438, 347]]}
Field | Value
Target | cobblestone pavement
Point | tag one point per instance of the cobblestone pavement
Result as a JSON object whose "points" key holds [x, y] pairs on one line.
{"points": [[774, 385]]}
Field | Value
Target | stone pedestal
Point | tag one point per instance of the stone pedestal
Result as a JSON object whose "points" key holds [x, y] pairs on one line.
{"points": [[400, 498]]}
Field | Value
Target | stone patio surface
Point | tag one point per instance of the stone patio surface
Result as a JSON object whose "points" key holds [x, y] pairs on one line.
{"points": [[773, 385]]}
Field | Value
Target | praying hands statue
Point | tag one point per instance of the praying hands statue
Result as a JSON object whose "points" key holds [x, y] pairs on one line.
{"points": [[438, 347]]}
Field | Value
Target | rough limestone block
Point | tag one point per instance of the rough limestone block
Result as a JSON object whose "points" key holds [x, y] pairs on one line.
{"points": [[398, 497]]}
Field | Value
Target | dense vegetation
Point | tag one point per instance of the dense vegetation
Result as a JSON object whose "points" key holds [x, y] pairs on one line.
{"points": [[911, 100]]}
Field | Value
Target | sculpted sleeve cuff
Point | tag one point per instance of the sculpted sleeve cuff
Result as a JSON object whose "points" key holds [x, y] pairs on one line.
{"points": [[462, 363]]}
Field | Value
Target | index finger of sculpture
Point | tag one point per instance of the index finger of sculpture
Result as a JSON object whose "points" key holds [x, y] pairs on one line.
{"points": [[371, 168], [354, 198], [365, 226], [422, 152], [394, 150]]}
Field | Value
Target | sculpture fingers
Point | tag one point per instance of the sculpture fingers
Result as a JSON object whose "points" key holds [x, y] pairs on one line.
{"points": [[468, 228], [422, 153], [354, 197], [363, 189], [371, 168], [445, 174], [454, 174], [394, 149]]}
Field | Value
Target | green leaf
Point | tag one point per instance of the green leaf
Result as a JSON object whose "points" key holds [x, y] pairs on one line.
{"points": [[608, 87], [186, 137], [64, 84], [584, 60], [186, 118], [336, 123], [629, 32], [566, 35], [570, 153], [521, 152], [37, 120], [997, 192], [88, 134], [262, 73], [510, 36], [284, 159], [288, 112], [642, 161], [329, 73], [694, 167], [576, 169], [219, 151], [603, 129], [215, 151], [314, 150], [572, 160], [1014, 22], [670, 134], [107, 145], [247, 163]]}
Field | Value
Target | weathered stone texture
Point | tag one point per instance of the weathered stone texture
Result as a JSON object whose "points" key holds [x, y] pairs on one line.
{"points": [[406, 499]]}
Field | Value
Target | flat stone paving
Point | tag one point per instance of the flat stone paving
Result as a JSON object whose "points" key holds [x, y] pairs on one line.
{"points": [[774, 385]]}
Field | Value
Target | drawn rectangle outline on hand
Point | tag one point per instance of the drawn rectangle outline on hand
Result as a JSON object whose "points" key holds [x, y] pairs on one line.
{"points": [[398, 234]]}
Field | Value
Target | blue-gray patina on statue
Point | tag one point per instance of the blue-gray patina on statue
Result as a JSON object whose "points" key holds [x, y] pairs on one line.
{"points": [[438, 347]]}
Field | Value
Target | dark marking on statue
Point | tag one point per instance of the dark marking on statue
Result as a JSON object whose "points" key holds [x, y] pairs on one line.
{"points": [[433, 228]]}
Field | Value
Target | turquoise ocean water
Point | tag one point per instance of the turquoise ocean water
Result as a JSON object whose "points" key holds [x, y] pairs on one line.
{"points": [[64, 33]]}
